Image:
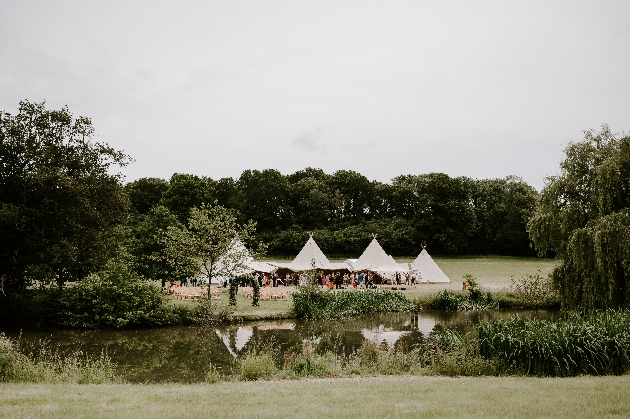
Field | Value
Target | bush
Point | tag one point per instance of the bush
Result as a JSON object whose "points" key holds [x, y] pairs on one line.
{"points": [[535, 291], [311, 364], [313, 303], [474, 299], [13, 365], [255, 367], [113, 298], [597, 344]]}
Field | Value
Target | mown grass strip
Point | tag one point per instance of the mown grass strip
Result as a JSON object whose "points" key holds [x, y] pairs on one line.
{"points": [[425, 397]]}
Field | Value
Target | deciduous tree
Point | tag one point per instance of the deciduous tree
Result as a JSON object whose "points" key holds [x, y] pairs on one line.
{"points": [[59, 201], [209, 240]]}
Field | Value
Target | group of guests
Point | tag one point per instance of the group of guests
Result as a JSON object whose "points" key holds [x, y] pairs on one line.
{"points": [[338, 281], [332, 280]]}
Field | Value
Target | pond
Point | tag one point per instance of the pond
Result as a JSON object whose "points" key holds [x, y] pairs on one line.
{"points": [[184, 354]]}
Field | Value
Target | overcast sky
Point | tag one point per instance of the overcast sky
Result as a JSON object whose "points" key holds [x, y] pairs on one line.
{"points": [[483, 89]]}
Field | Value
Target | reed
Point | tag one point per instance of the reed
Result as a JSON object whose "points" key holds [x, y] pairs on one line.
{"points": [[45, 364], [596, 344]]}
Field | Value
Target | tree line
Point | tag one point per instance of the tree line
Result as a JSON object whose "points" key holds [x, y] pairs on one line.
{"points": [[64, 213], [450, 215]]}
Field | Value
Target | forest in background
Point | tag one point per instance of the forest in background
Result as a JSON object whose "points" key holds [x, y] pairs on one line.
{"points": [[450, 215]]}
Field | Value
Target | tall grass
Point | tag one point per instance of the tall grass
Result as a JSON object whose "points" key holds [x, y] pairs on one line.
{"points": [[313, 303], [596, 344], [47, 365]]}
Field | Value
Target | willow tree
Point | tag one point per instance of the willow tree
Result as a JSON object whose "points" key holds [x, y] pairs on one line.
{"points": [[584, 217]]}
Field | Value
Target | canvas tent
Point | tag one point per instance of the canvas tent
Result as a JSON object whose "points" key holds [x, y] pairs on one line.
{"points": [[237, 261], [310, 257], [427, 268], [375, 259]]}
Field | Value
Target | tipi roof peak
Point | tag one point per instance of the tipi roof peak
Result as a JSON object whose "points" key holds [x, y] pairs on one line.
{"points": [[310, 257]]}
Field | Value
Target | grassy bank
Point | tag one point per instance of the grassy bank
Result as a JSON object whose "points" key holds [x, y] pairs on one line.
{"points": [[580, 397]]}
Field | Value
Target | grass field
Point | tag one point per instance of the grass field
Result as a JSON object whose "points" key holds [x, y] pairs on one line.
{"points": [[375, 397], [493, 273]]}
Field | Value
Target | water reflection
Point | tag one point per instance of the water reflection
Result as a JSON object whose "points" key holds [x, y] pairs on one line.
{"points": [[382, 335], [185, 354]]}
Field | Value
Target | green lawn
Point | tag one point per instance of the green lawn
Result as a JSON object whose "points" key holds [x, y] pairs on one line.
{"points": [[376, 397], [493, 273]]}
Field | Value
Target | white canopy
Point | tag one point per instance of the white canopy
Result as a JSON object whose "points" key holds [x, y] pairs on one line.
{"points": [[428, 269], [238, 261], [310, 257], [374, 258]]}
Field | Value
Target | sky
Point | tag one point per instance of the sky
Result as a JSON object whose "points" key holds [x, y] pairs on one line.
{"points": [[484, 89]]}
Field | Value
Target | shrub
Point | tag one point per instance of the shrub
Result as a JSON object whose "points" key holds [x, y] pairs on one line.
{"points": [[13, 365], [536, 291], [313, 303], [113, 298], [207, 313], [255, 292], [212, 376], [446, 301], [310, 364], [474, 299], [258, 366]]}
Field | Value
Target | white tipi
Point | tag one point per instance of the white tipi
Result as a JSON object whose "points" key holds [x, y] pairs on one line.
{"points": [[374, 258], [238, 261], [310, 257], [428, 269]]}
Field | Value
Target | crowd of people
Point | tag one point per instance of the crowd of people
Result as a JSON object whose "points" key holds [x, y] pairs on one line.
{"points": [[333, 280]]}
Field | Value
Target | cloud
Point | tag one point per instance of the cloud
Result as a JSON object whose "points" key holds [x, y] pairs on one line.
{"points": [[311, 140]]}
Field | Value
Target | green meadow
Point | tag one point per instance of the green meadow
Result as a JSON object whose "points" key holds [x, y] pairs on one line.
{"points": [[372, 397]]}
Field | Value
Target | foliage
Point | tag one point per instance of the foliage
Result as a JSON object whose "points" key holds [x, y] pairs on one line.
{"points": [[233, 291], [50, 366], [535, 291], [597, 344], [205, 313], [452, 355], [258, 366], [148, 250], [113, 298], [186, 192], [146, 193], [313, 303], [255, 292], [473, 299], [584, 217], [451, 215], [264, 198], [59, 202], [311, 364], [209, 242]]}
